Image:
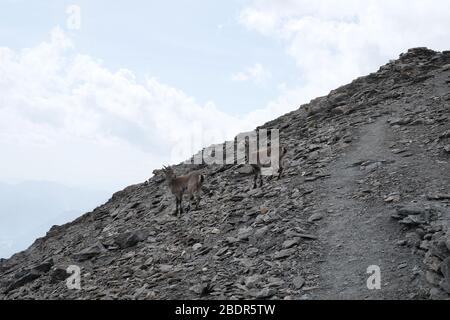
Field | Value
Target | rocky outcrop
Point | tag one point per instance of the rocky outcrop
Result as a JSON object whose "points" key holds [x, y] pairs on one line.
{"points": [[377, 145]]}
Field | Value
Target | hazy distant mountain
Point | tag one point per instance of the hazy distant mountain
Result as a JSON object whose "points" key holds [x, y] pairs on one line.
{"points": [[29, 209]]}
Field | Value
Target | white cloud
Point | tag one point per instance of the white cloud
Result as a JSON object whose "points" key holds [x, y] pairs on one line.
{"points": [[65, 117], [256, 73], [333, 42]]}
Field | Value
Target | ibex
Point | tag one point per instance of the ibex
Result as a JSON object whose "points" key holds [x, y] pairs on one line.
{"points": [[190, 183], [266, 154]]}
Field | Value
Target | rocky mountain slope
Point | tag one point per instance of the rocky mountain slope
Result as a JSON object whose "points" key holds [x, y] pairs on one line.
{"points": [[367, 184]]}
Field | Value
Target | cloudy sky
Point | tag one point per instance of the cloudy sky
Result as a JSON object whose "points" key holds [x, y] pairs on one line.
{"points": [[96, 94]]}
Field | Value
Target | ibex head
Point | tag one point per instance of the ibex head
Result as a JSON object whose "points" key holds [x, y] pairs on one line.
{"points": [[168, 171]]}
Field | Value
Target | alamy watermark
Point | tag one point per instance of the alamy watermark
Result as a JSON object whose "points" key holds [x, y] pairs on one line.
{"points": [[261, 147], [73, 282], [73, 21], [374, 281]]}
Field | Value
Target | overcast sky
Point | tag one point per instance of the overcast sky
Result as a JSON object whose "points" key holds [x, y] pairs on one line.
{"points": [[137, 84]]}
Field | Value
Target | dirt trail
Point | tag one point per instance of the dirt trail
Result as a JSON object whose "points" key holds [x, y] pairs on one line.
{"points": [[357, 234]]}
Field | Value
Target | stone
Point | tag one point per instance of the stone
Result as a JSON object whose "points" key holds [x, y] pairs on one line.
{"points": [[215, 230], [290, 243], [445, 135], [165, 268], [393, 198], [432, 262], [413, 239], [237, 198], [2, 265], [261, 232], [440, 250], [447, 241], [425, 245], [402, 266], [231, 240], [251, 281], [445, 269], [413, 220], [437, 294], [433, 278], [140, 291], [130, 239], [400, 121], [29, 276], [44, 267], [410, 210], [284, 254], [201, 289], [265, 293], [58, 274], [197, 246], [90, 252], [438, 196], [307, 236], [316, 217], [299, 282], [245, 233], [245, 170], [247, 263]]}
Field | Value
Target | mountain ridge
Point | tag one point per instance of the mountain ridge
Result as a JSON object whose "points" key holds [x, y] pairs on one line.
{"points": [[357, 158]]}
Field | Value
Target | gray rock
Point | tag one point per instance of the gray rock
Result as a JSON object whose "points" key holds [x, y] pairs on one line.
{"points": [[283, 254], [250, 282], [165, 268], [413, 239], [237, 197], [400, 121], [201, 289], [433, 278], [261, 232], [58, 274], [245, 233], [447, 241], [290, 243], [245, 169], [299, 282], [438, 196], [445, 286], [413, 220], [307, 236], [445, 269], [316, 217], [90, 252], [445, 135], [410, 210], [265, 293], [440, 250], [29, 276], [44, 267], [130, 239], [437, 294]]}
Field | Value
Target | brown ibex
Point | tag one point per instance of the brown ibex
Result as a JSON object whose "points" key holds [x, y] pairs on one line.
{"points": [[263, 154], [190, 184]]}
